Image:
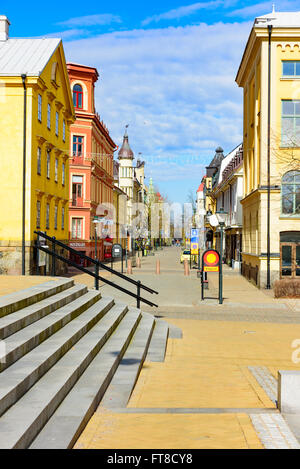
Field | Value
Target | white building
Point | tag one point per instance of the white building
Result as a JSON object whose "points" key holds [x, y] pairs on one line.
{"points": [[228, 194]]}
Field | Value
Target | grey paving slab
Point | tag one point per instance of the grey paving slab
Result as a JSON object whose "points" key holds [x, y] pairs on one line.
{"points": [[28, 338], [23, 374], [158, 343], [79, 405], [22, 298], [12, 323], [123, 382], [22, 422]]}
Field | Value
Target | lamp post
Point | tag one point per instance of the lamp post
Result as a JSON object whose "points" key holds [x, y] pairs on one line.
{"points": [[221, 216]]}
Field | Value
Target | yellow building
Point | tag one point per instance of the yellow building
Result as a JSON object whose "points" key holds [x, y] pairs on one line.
{"points": [[269, 74], [36, 113]]}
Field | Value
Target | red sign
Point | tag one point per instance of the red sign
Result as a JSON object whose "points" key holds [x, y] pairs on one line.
{"points": [[211, 261]]}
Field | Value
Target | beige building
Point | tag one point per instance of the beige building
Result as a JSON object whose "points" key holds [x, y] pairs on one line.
{"points": [[269, 74]]}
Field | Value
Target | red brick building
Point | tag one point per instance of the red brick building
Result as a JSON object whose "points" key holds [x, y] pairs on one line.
{"points": [[91, 164]]}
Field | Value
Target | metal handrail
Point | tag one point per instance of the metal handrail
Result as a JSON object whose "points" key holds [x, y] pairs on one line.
{"points": [[95, 275], [95, 261]]}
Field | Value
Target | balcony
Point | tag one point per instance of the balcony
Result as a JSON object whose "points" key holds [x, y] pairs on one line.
{"points": [[77, 160]]}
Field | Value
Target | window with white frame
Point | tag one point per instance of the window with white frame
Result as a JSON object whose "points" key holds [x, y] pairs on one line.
{"points": [[39, 108], [38, 214], [290, 123], [63, 218], [39, 161], [64, 130], [49, 116], [47, 216], [76, 228], [48, 164], [56, 123], [55, 217], [63, 174], [56, 169]]}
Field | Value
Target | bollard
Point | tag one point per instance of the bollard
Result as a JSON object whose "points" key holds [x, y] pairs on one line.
{"points": [[138, 263], [186, 268], [158, 267], [129, 266]]}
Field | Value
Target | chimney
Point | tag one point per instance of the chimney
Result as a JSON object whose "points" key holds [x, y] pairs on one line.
{"points": [[4, 28]]}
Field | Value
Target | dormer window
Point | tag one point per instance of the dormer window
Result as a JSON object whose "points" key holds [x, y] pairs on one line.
{"points": [[78, 96]]}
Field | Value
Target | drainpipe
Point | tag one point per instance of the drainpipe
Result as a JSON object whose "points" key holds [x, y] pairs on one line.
{"points": [[24, 173], [268, 286]]}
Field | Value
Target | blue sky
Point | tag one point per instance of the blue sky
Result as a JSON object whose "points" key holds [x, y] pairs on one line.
{"points": [[166, 68]]}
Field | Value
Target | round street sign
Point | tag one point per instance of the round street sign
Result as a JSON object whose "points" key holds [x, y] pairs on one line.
{"points": [[211, 261]]}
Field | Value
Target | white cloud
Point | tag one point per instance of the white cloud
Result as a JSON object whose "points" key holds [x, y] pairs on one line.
{"points": [[264, 8], [176, 89], [183, 11], [91, 20]]}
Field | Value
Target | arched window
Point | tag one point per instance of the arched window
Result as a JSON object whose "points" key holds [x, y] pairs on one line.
{"points": [[290, 193], [78, 96]]}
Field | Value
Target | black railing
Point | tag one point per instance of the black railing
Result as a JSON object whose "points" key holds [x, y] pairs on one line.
{"points": [[95, 274]]}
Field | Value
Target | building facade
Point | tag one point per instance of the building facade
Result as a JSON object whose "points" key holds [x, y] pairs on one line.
{"points": [[269, 74], [35, 95], [91, 167]]}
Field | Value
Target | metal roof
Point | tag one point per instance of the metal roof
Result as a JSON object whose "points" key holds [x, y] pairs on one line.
{"points": [[26, 56]]}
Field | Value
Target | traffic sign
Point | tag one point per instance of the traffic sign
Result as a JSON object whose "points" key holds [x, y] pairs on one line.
{"points": [[211, 261]]}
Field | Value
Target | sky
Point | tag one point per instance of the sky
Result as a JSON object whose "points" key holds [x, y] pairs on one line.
{"points": [[167, 68]]}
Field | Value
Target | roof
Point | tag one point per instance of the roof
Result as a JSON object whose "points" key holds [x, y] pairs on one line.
{"points": [[201, 187], [227, 160], [125, 152], [280, 19], [26, 56]]}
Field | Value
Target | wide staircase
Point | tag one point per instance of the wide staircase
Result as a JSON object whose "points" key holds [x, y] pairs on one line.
{"points": [[63, 350]]}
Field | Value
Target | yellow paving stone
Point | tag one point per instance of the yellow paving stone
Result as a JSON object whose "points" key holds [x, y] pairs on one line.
{"points": [[12, 283], [161, 431], [207, 368]]}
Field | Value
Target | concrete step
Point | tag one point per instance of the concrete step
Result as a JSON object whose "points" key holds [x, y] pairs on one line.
{"points": [[123, 382], [12, 323], [17, 345], [23, 374], [23, 298], [23, 421], [159, 340], [70, 418]]}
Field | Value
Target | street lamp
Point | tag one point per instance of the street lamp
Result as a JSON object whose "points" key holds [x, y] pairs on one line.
{"points": [[221, 217]]}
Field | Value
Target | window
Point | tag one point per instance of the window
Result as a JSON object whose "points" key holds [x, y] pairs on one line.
{"points": [[290, 125], [76, 228], [64, 130], [48, 164], [56, 123], [78, 96], [40, 108], [39, 160], [56, 169], [38, 214], [47, 217], [55, 217], [63, 174], [290, 193], [49, 116], [77, 145], [77, 199], [291, 68], [63, 218]]}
